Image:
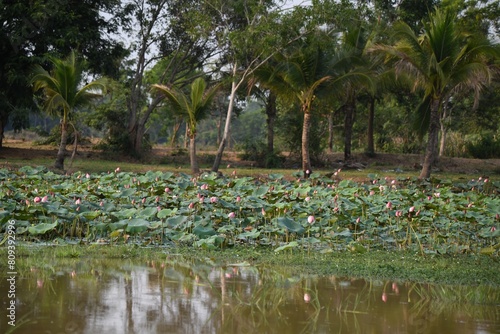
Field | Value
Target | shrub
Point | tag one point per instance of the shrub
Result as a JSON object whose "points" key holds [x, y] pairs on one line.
{"points": [[484, 146]]}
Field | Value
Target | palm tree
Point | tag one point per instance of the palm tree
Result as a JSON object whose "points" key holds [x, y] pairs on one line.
{"points": [[194, 106], [443, 61], [62, 94], [352, 75], [300, 77]]}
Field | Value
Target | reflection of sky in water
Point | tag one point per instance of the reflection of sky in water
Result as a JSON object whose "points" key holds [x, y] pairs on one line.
{"points": [[200, 299]]}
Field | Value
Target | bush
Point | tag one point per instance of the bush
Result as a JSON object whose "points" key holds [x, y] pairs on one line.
{"points": [[257, 151], [485, 146]]}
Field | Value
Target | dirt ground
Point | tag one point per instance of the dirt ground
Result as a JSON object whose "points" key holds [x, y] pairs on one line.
{"points": [[17, 149]]}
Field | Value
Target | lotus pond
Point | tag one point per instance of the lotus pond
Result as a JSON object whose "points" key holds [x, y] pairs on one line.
{"points": [[320, 214], [175, 294]]}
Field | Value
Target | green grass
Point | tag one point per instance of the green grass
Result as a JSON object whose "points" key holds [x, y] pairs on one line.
{"points": [[397, 265]]}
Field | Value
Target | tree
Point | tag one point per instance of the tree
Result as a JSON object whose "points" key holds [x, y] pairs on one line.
{"points": [[62, 94], [301, 76], [33, 29], [168, 31], [442, 60], [246, 35], [194, 107]]}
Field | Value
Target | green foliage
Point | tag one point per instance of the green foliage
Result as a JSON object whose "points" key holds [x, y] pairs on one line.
{"points": [[289, 133], [484, 146], [257, 151], [435, 217]]}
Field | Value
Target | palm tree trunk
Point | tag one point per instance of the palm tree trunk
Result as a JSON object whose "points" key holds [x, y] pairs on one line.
{"points": [[432, 142], [306, 162], [330, 132], [192, 155], [62, 147], [348, 124], [371, 117]]}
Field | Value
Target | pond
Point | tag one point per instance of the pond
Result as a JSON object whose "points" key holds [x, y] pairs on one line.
{"points": [[179, 296]]}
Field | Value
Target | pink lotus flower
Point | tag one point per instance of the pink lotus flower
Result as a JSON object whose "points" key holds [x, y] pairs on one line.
{"points": [[117, 170], [493, 229], [213, 199], [308, 199], [311, 219], [231, 215], [45, 199], [411, 209], [389, 205], [307, 297], [27, 202], [101, 203], [263, 212], [167, 189], [204, 186], [399, 213], [238, 199], [87, 176], [37, 199], [78, 201], [191, 205], [384, 297], [358, 220]]}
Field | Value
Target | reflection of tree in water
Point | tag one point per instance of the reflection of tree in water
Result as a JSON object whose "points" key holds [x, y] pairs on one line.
{"points": [[177, 296]]}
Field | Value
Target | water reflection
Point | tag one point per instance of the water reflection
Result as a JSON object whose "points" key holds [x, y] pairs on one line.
{"points": [[91, 296]]}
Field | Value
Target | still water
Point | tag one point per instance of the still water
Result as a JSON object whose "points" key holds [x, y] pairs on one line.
{"points": [[176, 296]]}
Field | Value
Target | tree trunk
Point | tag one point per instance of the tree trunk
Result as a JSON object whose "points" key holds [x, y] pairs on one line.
{"points": [[175, 130], [224, 139], [348, 124], [330, 132], [271, 117], [371, 117], [306, 162], [3, 123], [442, 144], [442, 119], [432, 142], [192, 155], [62, 147]]}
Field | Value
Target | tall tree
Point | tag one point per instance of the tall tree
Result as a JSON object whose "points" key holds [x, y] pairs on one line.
{"points": [[442, 60], [166, 30], [63, 95], [246, 35], [33, 29], [301, 76], [194, 107]]}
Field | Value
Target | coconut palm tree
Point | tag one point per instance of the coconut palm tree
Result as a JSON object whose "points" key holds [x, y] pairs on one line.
{"points": [[443, 61], [300, 77], [194, 107], [63, 95]]}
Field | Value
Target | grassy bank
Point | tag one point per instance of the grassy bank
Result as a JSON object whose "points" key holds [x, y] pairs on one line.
{"points": [[458, 269]]}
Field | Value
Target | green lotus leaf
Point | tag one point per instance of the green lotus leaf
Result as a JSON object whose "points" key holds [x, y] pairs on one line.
{"points": [[203, 232], [289, 245], [137, 225], [176, 221], [42, 228], [290, 224], [164, 213]]}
